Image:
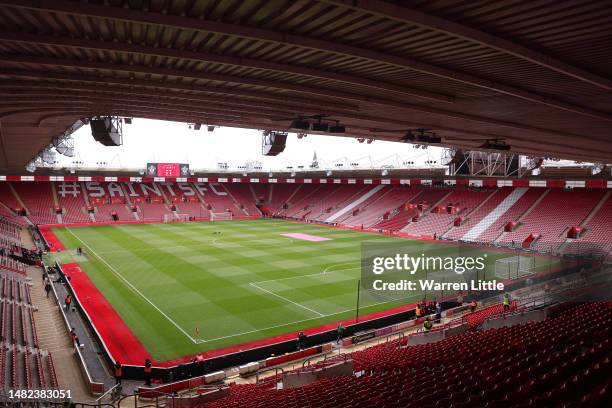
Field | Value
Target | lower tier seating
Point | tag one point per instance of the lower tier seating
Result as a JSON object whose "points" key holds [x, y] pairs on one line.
{"points": [[560, 362], [23, 365]]}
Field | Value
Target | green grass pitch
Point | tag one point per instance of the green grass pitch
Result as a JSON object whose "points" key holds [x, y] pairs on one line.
{"points": [[247, 282]]}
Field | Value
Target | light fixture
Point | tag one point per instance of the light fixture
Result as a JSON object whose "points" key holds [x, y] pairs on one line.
{"points": [[299, 124], [337, 128], [197, 126], [210, 128], [385, 172], [495, 144], [320, 127], [328, 173]]}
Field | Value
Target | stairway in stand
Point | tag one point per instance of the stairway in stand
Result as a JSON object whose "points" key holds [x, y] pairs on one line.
{"points": [[53, 336]]}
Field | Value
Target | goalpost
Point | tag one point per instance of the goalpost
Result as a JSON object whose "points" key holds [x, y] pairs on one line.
{"points": [[220, 216], [176, 218], [514, 266]]}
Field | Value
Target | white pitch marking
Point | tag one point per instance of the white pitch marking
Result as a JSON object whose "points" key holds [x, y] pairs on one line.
{"points": [[295, 322], [324, 272], [285, 299], [133, 288]]}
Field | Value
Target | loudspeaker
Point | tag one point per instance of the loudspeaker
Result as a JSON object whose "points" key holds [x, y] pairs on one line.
{"points": [[273, 143], [105, 132]]}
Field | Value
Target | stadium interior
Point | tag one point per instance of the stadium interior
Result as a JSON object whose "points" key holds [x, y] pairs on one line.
{"points": [[172, 286]]}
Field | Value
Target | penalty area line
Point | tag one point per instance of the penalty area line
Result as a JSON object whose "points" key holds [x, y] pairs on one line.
{"points": [[286, 300], [291, 323], [132, 287]]}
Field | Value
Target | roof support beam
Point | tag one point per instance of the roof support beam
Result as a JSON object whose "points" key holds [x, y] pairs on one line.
{"points": [[36, 95], [56, 62], [407, 15], [221, 59], [286, 100], [46, 99], [136, 111], [188, 23]]}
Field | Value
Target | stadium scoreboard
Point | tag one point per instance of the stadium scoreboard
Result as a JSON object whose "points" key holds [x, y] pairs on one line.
{"points": [[168, 169]]}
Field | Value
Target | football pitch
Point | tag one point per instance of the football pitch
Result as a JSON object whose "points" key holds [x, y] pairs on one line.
{"points": [[189, 287]]}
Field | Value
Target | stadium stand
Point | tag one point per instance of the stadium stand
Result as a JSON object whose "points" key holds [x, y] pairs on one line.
{"points": [[281, 194], [243, 197], [514, 213], [484, 209], [398, 218], [38, 201], [508, 89], [300, 201], [22, 363], [439, 218], [366, 208], [335, 200], [562, 360], [73, 205], [550, 218], [483, 214]]}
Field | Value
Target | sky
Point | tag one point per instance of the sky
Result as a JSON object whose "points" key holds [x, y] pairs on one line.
{"points": [[153, 141]]}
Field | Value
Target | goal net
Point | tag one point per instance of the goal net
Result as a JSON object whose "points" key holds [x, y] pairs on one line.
{"points": [[219, 216], [514, 266], [176, 217]]}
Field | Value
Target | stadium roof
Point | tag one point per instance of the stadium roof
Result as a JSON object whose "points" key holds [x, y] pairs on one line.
{"points": [[536, 75]]}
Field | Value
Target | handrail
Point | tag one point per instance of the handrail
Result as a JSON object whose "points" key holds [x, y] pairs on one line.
{"points": [[110, 391], [317, 356], [275, 369]]}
